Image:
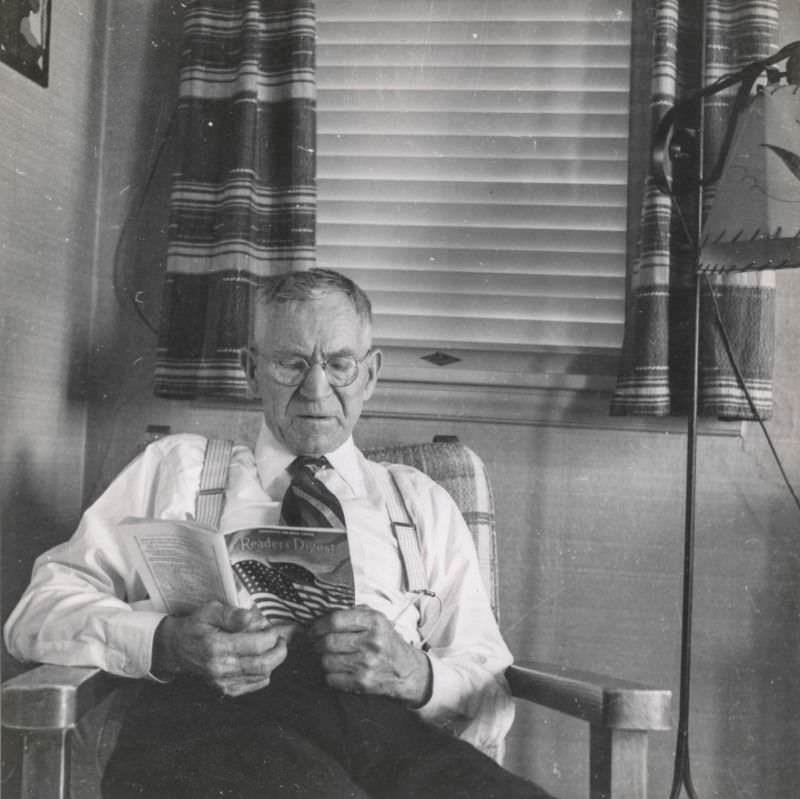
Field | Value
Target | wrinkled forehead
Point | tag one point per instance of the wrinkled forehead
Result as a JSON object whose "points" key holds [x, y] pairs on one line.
{"points": [[328, 322]]}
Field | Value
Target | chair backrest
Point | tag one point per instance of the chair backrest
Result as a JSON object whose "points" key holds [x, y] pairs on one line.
{"points": [[456, 468]]}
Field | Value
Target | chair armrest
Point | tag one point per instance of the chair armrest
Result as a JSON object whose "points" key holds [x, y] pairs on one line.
{"points": [[52, 697], [602, 701]]}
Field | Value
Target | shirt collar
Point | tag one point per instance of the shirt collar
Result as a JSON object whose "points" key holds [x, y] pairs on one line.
{"points": [[273, 458]]}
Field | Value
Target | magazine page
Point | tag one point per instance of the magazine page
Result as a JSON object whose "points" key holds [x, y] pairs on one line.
{"points": [[293, 574], [182, 564]]}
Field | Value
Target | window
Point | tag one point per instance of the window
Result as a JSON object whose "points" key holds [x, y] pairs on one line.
{"points": [[472, 176]]}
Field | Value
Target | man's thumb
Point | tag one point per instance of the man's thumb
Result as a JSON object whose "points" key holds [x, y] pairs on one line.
{"points": [[226, 617]]}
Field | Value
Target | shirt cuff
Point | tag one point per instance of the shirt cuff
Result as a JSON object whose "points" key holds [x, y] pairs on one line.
{"points": [[135, 630], [446, 692]]}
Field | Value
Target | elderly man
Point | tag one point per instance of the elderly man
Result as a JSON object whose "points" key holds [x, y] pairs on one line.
{"points": [[391, 698]]}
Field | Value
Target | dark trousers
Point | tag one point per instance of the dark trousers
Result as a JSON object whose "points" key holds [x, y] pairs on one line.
{"points": [[295, 738]]}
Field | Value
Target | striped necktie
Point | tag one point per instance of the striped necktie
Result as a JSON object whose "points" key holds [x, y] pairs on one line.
{"points": [[307, 502]]}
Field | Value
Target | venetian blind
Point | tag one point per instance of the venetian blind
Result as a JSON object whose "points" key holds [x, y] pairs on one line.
{"points": [[472, 170]]}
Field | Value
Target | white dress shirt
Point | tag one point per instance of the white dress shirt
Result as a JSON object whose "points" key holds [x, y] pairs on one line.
{"points": [[86, 605]]}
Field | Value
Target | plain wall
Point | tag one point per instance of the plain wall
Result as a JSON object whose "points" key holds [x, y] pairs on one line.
{"points": [[590, 521], [49, 161]]}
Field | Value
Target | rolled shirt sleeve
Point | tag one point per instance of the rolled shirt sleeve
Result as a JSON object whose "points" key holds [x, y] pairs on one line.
{"points": [[85, 605]]}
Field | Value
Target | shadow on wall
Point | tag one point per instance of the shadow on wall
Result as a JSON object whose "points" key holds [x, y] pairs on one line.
{"points": [[30, 523]]}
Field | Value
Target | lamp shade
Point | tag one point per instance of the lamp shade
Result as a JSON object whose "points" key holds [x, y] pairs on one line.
{"points": [[754, 222]]}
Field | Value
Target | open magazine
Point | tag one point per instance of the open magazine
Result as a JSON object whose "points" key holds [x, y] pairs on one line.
{"points": [[292, 574]]}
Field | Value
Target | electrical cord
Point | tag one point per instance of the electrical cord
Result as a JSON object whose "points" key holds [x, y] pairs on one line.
{"points": [[732, 357], [121, 288], [740, 378]]}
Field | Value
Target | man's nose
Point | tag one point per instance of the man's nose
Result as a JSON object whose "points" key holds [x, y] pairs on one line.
{"points": [[315, 383]]}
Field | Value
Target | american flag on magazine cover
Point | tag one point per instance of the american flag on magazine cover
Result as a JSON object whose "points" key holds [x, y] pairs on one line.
{"points": [[290, 592]]}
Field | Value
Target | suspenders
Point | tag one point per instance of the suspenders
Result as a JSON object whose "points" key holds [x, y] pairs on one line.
{"points": [[405, 531], [213, 477], [211, 498]]}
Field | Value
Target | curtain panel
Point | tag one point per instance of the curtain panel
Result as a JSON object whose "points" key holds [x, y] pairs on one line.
{"points": [[655, 372], [242, 204]]}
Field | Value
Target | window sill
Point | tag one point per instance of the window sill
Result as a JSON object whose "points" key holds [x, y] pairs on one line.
{"points": [[528, 405]]}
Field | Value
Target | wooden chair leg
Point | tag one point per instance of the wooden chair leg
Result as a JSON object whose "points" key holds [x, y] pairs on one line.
{"points": [[618, 763], [45, 765]]}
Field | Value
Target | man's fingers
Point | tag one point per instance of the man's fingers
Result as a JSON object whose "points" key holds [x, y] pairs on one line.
{"points": [[222, 616], [256, 642], [220, 643], [263, 663], [241, 686], [286, 631], [226, 670], [343, 643], [234, 620], [355, 619]]}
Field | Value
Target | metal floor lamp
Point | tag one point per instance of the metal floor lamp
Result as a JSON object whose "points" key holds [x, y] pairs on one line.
{"points": [[753, 226]]}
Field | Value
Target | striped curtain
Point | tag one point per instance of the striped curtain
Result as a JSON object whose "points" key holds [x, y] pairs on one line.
{"points": [[655, 373], [242, 205]]}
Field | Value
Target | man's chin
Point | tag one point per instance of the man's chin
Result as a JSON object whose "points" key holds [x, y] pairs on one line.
{"points": [[316, 435]]}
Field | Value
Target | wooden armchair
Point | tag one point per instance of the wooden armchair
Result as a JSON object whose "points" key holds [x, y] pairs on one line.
{"points": [[47, 704]]}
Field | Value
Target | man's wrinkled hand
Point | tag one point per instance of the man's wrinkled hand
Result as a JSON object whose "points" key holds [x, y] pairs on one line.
{"points": [[234, 649], [361, 652]]}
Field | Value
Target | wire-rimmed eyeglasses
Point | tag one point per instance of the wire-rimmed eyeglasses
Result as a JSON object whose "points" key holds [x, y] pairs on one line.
{"points": [[340, 370]]}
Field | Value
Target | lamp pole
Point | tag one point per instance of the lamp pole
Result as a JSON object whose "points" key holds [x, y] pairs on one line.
{"points": [[682, 776]]}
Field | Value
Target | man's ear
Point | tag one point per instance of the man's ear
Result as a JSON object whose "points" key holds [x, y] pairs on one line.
{"points": [[374, 363]]}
